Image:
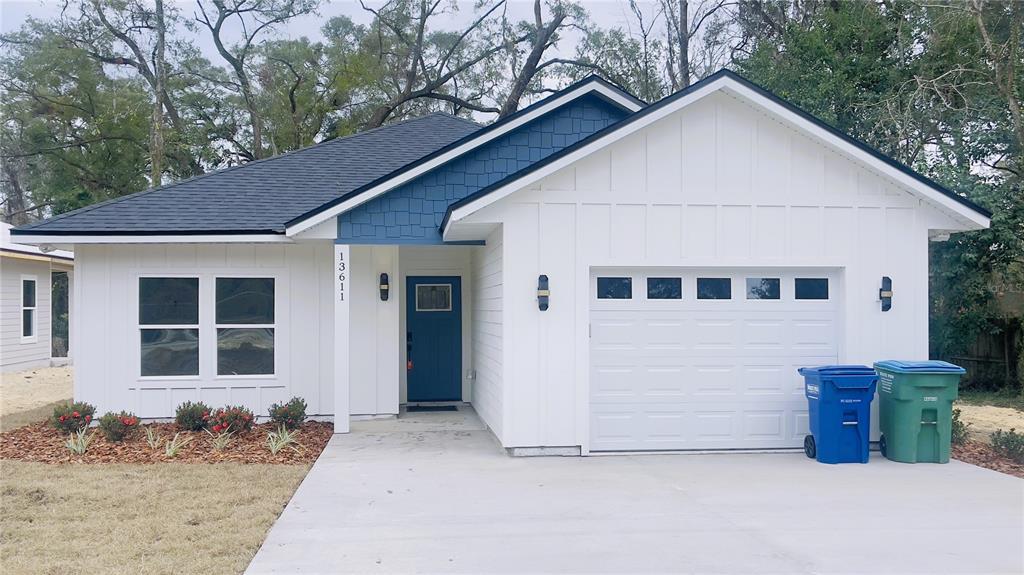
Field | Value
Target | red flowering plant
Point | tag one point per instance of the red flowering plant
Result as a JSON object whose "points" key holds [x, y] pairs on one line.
{"points": [[192, 416], [71, 417], [117, 426], [233, 418]]}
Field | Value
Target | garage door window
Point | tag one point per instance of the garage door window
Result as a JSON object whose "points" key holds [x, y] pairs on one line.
{"points": [[811, 288], [763, 288], [614, 288], [664, 288], [714, 288]]}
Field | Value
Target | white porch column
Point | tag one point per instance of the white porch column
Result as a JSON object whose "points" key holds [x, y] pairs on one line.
{"points": [[342, 273]]}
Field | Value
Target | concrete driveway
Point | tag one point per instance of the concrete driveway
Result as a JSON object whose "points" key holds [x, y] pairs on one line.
{"points": [[440, 496]]}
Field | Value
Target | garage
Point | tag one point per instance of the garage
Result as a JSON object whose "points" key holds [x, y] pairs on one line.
{"points": [[686, 359]]}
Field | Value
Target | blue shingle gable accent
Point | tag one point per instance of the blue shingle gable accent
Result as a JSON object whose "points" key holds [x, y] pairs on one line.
{"points": [[412, 213]]}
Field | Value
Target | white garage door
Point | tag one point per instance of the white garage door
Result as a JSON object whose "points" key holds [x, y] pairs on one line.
{"points": [[706, 359]]}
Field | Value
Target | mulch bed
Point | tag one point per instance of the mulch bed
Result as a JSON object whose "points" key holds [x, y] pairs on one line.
{"points": [[42, 443], [982, 455]]}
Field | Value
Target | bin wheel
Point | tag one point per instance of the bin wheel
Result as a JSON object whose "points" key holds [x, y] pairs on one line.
{"points": [[882, 446], [810, 449]]}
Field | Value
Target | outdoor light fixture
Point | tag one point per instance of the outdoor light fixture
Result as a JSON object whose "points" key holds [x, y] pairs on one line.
{"points": [[542, 292], [885, 294], [384, 287]]}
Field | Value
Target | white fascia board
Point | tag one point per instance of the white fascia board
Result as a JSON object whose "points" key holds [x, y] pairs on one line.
{"points": [[588, 88], [143, 239], [734, 88]]}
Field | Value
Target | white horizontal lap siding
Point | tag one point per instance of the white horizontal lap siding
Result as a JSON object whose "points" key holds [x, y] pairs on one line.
{"points": [[14, 353], [106, 334], [487, 338], [716, 184]]}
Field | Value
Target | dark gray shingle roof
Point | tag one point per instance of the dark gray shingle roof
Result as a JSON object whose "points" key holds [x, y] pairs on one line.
{"points": [[261, 196]]}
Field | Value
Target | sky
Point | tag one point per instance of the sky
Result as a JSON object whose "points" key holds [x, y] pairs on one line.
{"points": [[605, 13]]}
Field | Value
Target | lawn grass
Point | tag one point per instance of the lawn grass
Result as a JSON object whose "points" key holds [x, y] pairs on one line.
{"points": [[144, 519], [1003, 398]]}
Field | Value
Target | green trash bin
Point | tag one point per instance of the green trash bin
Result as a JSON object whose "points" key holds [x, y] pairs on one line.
{"points": [[916, 409]]}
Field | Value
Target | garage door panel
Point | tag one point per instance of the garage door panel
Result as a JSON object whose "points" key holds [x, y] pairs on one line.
{"points": [[706, 374]]}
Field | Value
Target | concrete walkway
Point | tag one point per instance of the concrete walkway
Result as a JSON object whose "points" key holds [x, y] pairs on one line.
{"points": [[435, 493]]}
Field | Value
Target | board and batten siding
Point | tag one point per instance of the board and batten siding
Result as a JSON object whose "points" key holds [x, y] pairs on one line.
{"points": [[106, 333], [374, 344], [15, 353], [487, 336], [716, 184]]}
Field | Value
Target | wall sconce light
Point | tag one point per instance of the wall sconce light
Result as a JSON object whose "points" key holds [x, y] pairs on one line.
{"points": [[543, 293], [885, 294], [384, 287]]}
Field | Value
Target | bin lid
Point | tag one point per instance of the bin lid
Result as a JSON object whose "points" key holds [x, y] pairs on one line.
{"points": [[932, 366], [824, 370]]}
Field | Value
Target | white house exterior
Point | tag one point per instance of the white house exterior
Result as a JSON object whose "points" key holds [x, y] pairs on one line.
{"points": [[26, 303], [692, 254]]}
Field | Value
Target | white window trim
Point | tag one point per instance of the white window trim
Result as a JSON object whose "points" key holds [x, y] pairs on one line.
{"points": [[218, 326], [765, 300], [732, 288], [828, 287], [34, 338], [139, 326], [416, 297]]}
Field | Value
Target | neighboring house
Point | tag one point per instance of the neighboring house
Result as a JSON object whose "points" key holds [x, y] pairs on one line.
{"points": [[30, 308], [591, 273]]}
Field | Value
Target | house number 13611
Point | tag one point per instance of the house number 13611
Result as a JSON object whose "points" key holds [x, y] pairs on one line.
{"points": [[341, 277]]}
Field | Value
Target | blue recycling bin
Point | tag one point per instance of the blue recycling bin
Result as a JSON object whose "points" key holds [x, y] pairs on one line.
{"points": [[839, 404]]}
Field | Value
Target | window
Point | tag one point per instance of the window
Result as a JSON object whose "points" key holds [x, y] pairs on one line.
{"points": [[614, 288], [28, 308], [245, 326], [811, 288], [664, 288], [434, 297], [763, 288], [714, 288], [169, 326]]}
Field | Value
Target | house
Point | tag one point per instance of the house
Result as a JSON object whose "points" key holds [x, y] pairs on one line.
{"points": [[591, 273], [34, 304]]}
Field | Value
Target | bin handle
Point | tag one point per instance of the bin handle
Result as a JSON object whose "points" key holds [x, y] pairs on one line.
{"points": [[850, 423], [929, 423]]}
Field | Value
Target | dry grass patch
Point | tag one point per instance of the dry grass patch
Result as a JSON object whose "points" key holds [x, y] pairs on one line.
{"points": [[986, 419], [145, 519], [30, 396], [25, 390]]}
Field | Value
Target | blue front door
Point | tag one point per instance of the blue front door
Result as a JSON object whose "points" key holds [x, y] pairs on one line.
{"points": [[434, 338]]}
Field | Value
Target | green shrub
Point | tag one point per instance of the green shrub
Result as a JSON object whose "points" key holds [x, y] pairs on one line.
{"points": [[233, 418], [192, 416], [116, 426], [959, 430], [1009, 444], [71, 417], [291, 414]]}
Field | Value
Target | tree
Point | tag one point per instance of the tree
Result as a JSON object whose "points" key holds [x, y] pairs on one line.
{"points": [[529, 42], [253, 17], [71, 134], [132, 35]]}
